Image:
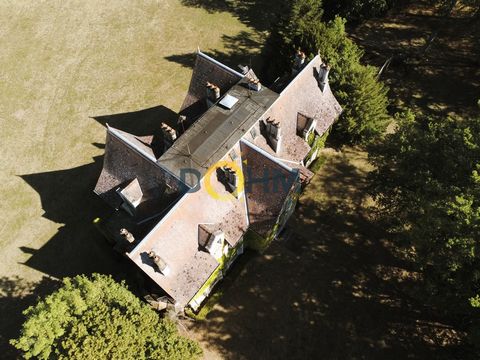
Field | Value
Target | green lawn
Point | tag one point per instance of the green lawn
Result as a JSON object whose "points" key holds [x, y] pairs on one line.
{"points": [[61, 64]]}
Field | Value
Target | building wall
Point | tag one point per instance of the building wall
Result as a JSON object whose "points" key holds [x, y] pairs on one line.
{"points": [[225, 263]]}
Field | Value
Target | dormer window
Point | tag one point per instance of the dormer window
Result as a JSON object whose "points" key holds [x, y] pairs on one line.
{"points": [[215, 244], [309, 128], [131, 195]]}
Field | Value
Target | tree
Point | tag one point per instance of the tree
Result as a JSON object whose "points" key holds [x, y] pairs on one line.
{"points": [[427, 183], [357, 10], [99, 318], [362, 96]]}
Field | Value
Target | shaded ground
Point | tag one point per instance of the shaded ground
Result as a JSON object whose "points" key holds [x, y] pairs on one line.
{"points": [[334, 292], [441, 77]]}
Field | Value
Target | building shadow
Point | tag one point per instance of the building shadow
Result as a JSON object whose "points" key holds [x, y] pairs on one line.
{"points": [[67, 198], [141, 123]]}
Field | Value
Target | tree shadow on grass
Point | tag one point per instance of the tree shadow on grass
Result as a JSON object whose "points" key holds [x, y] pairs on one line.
{"points": [[332, 290], [257, 14], [15, 296], [242, 49]]}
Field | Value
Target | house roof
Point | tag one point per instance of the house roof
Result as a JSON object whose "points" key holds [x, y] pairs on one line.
{"points": [[215, 133], [302, 95], [267, 185], [176, 238], [126, 159], [206, 69]]}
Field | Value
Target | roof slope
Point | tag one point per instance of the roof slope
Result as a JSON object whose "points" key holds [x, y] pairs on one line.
{"points": [[176, 238], [303, 95], [206, 69], [127, 158], [267, 185]]}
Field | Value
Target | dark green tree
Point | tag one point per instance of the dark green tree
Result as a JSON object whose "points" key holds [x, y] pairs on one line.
{"points": [[99, 318], [362, 96], [427, 183]]}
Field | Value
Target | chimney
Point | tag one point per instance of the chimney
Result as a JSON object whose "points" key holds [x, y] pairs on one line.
{"points": [[254, 84], [213, 94], [323, 75], [159, 262], [298, 62], [169, 136], [232, 179], [182, 124], [127, 235], [273, 133]]}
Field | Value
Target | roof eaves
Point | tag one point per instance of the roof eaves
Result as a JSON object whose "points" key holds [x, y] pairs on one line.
{"points": [[220, 64]]}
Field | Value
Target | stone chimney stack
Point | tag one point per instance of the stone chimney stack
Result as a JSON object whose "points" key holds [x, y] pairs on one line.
{"points": [[254, 84], [159, 262], [323, 72], [299, 62], [169, 136], [274, 135], [182, 124], [213, 93], [232, 180], [127, 235]]}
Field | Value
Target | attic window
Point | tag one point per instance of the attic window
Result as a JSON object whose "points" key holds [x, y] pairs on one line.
{"points": [[131, 195], [253, 133], [228, 101], [233, 154]]}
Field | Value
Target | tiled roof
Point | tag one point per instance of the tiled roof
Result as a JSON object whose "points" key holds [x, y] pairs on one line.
{"points": [[126, 159], [302, 95], [206, 69], [176, 238], [267, 184]]}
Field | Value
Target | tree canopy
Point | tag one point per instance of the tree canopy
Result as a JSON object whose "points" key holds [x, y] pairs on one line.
{"points": [[99, 318], [427, 183]]}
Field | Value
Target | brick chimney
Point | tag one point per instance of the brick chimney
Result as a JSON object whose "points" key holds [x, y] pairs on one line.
{"points": [[127, 235], [169, 136], [323, 72], [213, 93], [232, 180], [298, 62], [159, 262], [273, 133], [254, 84]]}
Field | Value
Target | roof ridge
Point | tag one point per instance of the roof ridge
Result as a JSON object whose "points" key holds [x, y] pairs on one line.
{"points": [[119, 134], [216, 62], [298, 75]]}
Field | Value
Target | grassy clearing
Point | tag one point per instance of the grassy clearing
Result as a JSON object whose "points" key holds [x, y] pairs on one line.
{"points": [[63, 63]]}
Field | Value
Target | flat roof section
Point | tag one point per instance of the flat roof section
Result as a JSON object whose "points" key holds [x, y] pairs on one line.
{"points": [[216, 132]]}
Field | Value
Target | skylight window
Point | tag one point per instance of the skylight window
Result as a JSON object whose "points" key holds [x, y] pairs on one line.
{"points": [[228, 101]]}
